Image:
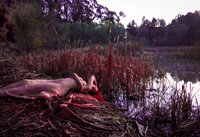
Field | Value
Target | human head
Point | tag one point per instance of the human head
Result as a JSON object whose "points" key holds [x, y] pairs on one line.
{"points": [[94, 89]]}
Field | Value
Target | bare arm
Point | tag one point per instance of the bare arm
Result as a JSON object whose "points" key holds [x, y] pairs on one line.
{"points": [[76, 78], [91, 83]]}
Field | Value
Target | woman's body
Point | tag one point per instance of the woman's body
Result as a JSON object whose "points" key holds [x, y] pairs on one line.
{"points": [[48, 88]]}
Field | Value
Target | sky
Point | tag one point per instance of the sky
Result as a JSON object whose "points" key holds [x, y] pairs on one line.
{"points": [[162, 9]]}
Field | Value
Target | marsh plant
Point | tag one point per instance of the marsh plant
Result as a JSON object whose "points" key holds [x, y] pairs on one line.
{"points": [[168, 106], [191, 52], [112, 70], [164, 105]]}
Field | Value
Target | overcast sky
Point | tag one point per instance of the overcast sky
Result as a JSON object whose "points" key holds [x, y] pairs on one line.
{"points": [[162, 9]]}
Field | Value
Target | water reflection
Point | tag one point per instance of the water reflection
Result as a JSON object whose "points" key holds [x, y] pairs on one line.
{"points": [[188, 70], [160, 93]]}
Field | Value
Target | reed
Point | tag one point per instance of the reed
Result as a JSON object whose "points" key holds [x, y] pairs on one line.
{"points": [[129, 76], [191, 52], [112, 70], [169, 107]]}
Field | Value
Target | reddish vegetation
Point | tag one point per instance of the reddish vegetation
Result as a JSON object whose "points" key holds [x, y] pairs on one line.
{"points": [[111, 70]]}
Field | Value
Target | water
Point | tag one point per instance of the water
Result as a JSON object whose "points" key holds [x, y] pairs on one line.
{"points": [[180, 72], [188, 70], [161, 94]]}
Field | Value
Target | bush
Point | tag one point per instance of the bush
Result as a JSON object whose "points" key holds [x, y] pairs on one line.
{"points": [[31, 31]]}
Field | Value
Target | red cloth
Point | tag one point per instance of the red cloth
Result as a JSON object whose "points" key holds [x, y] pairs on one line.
{"points": [[98, 96]]}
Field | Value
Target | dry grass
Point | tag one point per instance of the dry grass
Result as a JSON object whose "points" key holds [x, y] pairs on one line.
{"points": [[111, 69], [192, 52], [173, 117], [41, 117]]}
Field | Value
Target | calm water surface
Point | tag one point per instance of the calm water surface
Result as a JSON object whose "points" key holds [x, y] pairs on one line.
{"points": [[188, 70], [171, 84], [188, 75]]}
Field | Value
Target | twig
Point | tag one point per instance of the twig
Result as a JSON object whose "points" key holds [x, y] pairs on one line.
{"points": [[3, 60], [53, 127], [15, 115], [136, 112]]}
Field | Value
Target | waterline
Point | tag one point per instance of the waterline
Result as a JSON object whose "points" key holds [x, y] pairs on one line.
{"points": [[160, 92]]}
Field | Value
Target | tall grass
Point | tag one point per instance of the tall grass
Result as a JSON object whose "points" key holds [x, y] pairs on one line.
{"points": [[123, 74], [133, 48], [112, 70], [169, 107], [192, 52]]}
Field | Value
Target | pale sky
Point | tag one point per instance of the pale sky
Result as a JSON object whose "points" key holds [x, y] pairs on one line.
{"points": [[162, 9]]}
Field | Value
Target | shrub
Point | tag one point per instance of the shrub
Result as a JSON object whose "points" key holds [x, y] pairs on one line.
{"points": [[31, 32]]}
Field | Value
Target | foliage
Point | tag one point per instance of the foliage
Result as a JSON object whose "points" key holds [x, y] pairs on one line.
{"points": [[184, 30], [126, 75], [83, 11], [31, 31], [34, 28], [5, 21], [86, 34], [169, 104]]}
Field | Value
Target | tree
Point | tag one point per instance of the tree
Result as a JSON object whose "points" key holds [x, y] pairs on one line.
{"points": [[154, 22], [162, 23], [145, 22], [30, 32], [121, 13], [132, 28], [83, 11]]}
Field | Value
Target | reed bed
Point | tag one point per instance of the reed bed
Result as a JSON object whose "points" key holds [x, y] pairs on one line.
{"points": [[24, 117], [191, 52], [111, 69], [169, 108], [126, 75]]}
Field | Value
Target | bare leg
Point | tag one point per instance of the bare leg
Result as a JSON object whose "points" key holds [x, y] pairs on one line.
{"points": [[14, 85], [36, 89], [33, 87], [22, 83]]}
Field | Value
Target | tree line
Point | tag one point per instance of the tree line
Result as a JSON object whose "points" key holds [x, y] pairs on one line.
{"points": [[184, 30], [33, 24], [44, 23]]}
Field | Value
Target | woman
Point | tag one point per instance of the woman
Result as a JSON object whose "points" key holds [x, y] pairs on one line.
{"points": [[32, 89]]}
